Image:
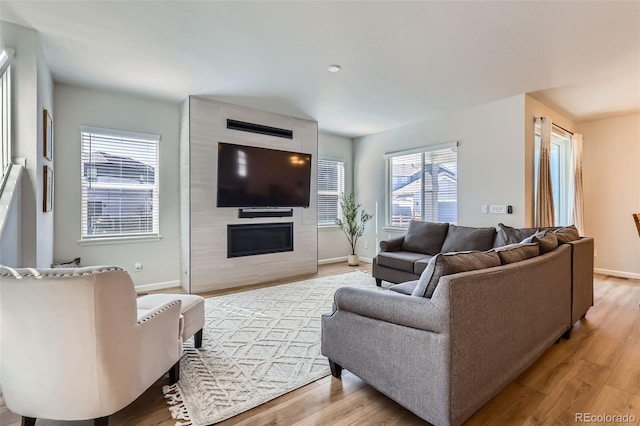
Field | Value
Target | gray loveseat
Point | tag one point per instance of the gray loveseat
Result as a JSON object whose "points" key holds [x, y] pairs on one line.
{"points": [[456, 339]]}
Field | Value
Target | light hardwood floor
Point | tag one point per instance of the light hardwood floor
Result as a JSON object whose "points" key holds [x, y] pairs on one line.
{"points": [[597, 371]]}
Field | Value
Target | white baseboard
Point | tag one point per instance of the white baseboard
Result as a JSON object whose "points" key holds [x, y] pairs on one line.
{"points": [[332, 260], [621, 274], [157, 286], [342, 259]]}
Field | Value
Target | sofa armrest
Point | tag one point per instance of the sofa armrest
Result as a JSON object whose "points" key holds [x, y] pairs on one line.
{"points": [[393, 244], [582, 276], [160, 340], [409, 311]]}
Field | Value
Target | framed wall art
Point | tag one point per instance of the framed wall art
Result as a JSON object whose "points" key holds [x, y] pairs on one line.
{"points": [[47, 195], [48, 135]]}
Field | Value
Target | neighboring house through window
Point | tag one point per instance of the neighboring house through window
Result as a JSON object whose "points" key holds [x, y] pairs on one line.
{"points": [[423, 185], [330, 190], [119, 172]]}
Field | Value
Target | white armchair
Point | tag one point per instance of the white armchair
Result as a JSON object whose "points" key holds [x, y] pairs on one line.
{"points": [[72, 346]]}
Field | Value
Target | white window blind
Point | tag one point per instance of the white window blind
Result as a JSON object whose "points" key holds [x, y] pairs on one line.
{"points": [[330, 190], [119, 173], [423, 185]]}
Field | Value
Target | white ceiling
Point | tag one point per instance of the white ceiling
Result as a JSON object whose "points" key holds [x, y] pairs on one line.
{"points": [[401, 61]]}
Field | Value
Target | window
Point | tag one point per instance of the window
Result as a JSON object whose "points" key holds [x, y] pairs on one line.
{"points": [[119, 172], [5, 113], [561, 174], [330, 190], [423, 185]]}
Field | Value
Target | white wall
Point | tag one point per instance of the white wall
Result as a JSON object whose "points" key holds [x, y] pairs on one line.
{"points": [[332, 243], [32, 91], [491, 161], [611, 171], [76, 106]]}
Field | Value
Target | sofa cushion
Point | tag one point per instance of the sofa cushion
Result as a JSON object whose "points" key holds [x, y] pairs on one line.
{"points": [[509, 235], [401, 260], [452, 263], [425, 237], [516, 252], [405, 288], [567, 234], [464, 238], [547, 240], [421, 265]]}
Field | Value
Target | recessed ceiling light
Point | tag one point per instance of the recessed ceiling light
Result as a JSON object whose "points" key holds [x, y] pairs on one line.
{"points": [[334, 68]]}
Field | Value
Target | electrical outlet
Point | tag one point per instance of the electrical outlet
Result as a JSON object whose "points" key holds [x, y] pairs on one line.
{"points": [[595, 252], [485, 209], [366, 245], [138, 266], [498, 209]]}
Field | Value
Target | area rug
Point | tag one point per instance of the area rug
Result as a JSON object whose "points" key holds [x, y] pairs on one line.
{"points": [[257, 345]]}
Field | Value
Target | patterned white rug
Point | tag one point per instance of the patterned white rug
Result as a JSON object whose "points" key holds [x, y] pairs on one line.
{"points": [[257, 345]]}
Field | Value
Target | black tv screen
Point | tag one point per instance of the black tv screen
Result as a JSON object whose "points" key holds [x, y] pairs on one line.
{"points": [[260, 177]]}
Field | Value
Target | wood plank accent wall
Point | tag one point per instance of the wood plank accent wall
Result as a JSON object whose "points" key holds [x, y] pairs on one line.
{"points": [[204, 263]]}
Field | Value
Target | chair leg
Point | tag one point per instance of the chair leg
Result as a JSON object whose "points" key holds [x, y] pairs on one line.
{"points": [[28, 421], [102, 421], [336, 369], [197, 339], [174, 373]]}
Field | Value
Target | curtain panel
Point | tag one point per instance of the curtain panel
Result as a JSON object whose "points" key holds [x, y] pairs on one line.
{"points": [[545, 214]]}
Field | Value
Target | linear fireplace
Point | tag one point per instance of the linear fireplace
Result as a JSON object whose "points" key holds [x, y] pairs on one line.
{"points": [[259, 238]]}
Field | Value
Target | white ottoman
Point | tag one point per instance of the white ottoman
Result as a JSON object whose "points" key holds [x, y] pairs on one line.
{"points": [[192, 312]]}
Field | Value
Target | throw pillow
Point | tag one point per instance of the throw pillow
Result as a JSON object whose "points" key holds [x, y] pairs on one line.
{"points": [[464, 238], [452, 263], [516, 252], [425, 237], [567, 234], [75, 263], [509, 235], [547, 240]]}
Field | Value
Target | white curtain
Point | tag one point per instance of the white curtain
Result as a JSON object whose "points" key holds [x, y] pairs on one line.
{"points": [[545, 214], [578, 193]]}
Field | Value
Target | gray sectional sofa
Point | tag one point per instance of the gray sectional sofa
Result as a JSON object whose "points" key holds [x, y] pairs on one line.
{"points": [[445, 344]]}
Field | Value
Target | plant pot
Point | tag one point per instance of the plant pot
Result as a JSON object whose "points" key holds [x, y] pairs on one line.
{"points": [[353, 260]]}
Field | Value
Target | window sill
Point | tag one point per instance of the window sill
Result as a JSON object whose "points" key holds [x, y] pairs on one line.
{"points": [[395, 229], [119, 240], [328, 227]]}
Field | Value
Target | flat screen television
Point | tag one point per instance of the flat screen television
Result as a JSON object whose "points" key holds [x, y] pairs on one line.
{"points": [[261, 177]]}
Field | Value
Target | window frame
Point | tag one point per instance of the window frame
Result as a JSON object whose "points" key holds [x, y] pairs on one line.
{"points": [[339, 192], [105, 238], [423, 151], [6, 55]]}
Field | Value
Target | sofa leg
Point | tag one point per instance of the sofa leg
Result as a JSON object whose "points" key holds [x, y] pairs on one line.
{"points": [[174, 373], [197, 339], [378, 282], [567, 334], [28, 421], [336, 369], [101, 421]]}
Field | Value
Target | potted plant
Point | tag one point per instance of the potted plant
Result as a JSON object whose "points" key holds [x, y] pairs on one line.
{"points": [[352, 224]]}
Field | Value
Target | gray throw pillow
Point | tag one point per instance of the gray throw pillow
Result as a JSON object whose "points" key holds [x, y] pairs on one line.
{"points": [[75, 263], [547, 240], [509, 235], [516, 252], [464, 238], [567, 234], [425, 237], [452, 263]]}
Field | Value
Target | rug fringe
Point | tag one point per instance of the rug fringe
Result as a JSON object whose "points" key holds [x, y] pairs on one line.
{"points": [[176, 405]]}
